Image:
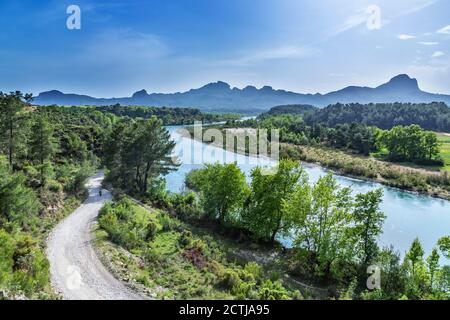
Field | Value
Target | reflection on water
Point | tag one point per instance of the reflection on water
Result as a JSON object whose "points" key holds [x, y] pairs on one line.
{"points": [[408, 215]]}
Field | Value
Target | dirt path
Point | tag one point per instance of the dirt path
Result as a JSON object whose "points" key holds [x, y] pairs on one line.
{"points": [[76, 271]]}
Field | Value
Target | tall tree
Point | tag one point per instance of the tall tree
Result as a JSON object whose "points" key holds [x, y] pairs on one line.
{"points": [[43, 146], [18, 203], [368, 219], [265, 216], [323, 216], [444, 246], [433, 265], [11, 107], [224, 192], [415, 254], [142, 154]]}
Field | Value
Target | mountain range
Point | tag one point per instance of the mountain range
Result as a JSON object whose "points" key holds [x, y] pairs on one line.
{"points": [[221, 97]]}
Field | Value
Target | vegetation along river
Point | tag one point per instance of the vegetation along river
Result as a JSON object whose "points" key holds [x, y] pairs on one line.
{"points": [[408, 215]]}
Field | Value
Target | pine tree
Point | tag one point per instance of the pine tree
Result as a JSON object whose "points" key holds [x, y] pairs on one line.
{"points": [[43, 146], [415, 254], [11, 107], [433, 265]]}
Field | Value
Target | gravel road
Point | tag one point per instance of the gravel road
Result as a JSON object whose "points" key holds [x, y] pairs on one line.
{"points": [[76, 271]]}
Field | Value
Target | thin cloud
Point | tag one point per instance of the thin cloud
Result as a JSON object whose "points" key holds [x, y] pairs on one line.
{"points": [[444, 30], [418, 7], [438, 54], [125, 46], [284, 52], [428, 43], [405, 36]]}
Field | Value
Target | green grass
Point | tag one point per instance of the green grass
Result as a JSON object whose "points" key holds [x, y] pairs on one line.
{"points": [[182, 262], [444, 139]]}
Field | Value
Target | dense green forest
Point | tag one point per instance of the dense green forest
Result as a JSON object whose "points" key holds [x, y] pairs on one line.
{"points": [[169, 116], [402, 143], [430, 116], [290, 109], [45, 156]]}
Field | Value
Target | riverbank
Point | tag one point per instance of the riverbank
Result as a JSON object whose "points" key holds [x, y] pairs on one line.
{"points": [[409, 179]]}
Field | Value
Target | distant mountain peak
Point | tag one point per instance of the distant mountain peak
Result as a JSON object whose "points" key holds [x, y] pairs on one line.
{"points": [[140, 94], [402, 81], [219, 85], [51, 93]]}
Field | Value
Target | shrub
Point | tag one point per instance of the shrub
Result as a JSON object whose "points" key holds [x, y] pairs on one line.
{"points": [[24, 268], [273, 291], [128, 225], [54, 186], [185, 239], [254, 269], [186, 206]]}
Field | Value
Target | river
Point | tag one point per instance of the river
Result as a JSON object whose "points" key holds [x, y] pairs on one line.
{"points": [[408, 215]]}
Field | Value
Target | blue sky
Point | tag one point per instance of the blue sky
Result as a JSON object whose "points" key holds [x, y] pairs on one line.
{"points": [[305, 46]]}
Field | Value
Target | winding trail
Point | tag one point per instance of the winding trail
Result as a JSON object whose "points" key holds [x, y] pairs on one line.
{"points": [[76, 271]]}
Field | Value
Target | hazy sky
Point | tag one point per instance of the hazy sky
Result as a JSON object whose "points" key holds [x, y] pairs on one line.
{"points": [[174, 45]]}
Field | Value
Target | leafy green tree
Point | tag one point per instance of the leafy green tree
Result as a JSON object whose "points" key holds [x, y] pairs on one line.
{"points": [[415, 254], [418, 280], [393, 275], [76, 148], [43, 146], [11, 107], [444, 246], [322, 216], [223, 192], [18, 203], [368, 221], [410, 143], [431, 144], [264, 215], [433, 265]]}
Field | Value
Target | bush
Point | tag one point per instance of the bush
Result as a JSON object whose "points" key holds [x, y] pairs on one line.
{"points": [[273, 291], [128, 225], [186, 206], [185, 239], [168, 223], [24, 268], [54, 186]]}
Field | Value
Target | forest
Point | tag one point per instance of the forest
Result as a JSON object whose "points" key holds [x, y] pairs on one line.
{"points": [[401, 143], [430, 116], [46, 155]]}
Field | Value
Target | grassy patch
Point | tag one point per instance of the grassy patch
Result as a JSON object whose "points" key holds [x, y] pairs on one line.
{"points": [[444, 139], [182, 262]]}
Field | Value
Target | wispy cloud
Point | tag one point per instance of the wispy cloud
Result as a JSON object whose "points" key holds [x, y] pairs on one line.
{"points": [[438, 54], [351, 22], [284, 52], [444, 30], [428, 43], [419, 6], [405, 36], [125, 46]]}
